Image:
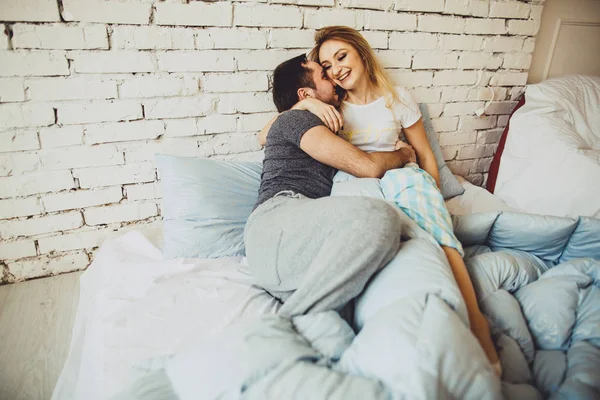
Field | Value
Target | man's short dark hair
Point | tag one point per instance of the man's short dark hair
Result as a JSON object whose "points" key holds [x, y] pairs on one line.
{"points": [[289, 76]]}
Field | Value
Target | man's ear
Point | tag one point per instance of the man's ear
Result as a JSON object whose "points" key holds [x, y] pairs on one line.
{"points": [[304, 93]]}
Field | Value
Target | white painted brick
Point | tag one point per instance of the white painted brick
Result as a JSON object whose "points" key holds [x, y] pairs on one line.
{"points": [[263, 60], [461, 42], [18, 249], [61, 136], [377, 20], [444, 124], [4, 41], [123, 131], [74, 241], [179, 107], [24, 207], [467, 7], [138, 152], [44, 266], [517, 61], [502, 44], [158, 86], [238, 38], [263, 15], [436, 23], [426, 95], [485, 94], [367, 4], [516, 92], [18, 163], [508, 79], [460, 167], [481, 165], [33, 63], [70, 89], [452, 78], [435, 110], [81, 156], [529, 45], [126, 212], [30, 10], [198, 61], [536, 12], [434, 61], [73, 200], [475, 151], [457, 138], [110, 176], [11, 89], [475, 179], [201, 126], [479, 60], [194, 14], [502, 121], [489, 137], [57, 36], [487, 26], [452, 94], [413, 41], [115, 12], [317, 19], [325, 3], [509, 9], [394, 58], [449, 152], [25, 185], [469, 123], [18, 140], [412, 79], [229, 144], [528, 28], [245, 103], [100, 111], [255, 122], [457, 109], [151, 37], [22, 115], [107, 62], [500, 107], [237, 82], [419, 5], [291, 38], [144, 191], [37, 226], [377, 39]]}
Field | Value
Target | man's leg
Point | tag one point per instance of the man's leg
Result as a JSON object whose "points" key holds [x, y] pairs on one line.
{"points": [[317, 255]]}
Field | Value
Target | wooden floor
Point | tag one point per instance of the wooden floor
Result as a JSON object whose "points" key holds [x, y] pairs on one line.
{"points": [[36, 319]]}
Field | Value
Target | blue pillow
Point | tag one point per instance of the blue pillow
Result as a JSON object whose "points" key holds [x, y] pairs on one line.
{"points": [[206, 204], [450, 186]]}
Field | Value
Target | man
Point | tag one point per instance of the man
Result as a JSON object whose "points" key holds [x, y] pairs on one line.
{"points": [[312, 251]]}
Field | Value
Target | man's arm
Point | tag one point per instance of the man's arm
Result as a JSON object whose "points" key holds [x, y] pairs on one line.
{"points": [[262, 136], [324, 146]]}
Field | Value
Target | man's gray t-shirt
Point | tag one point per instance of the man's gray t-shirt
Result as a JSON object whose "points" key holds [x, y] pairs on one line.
{"points": [[286, 166]]}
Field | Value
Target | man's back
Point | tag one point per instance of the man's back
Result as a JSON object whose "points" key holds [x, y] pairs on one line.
{"points": [[286, 166]]}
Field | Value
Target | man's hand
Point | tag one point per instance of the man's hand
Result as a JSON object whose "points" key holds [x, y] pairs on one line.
{"points": [[408, 150], [326, 112]]}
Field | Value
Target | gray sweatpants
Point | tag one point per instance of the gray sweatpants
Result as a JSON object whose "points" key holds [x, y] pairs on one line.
{"points": [[317, 255]]}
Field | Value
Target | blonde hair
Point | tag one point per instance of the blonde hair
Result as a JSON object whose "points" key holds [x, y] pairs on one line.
{"points": [[377, 74]]}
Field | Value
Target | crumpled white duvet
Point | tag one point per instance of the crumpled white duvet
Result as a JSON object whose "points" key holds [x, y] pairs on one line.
{"points": [[551, 161]]}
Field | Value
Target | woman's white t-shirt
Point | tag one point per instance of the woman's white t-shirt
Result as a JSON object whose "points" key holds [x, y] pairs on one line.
{"points": [[375, 127]]}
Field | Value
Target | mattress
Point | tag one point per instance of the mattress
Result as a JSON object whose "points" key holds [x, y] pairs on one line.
{"points": [[137, 309]]}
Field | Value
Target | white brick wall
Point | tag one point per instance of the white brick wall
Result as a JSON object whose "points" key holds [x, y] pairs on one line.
{"points": [[91, 90]]}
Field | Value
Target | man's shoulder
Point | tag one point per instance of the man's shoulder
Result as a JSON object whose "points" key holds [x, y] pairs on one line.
{"points": [[296, 118]]}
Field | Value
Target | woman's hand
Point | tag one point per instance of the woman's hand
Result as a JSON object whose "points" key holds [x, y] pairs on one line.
{"points": [[400, 144], [481, 329], [326, 113]]}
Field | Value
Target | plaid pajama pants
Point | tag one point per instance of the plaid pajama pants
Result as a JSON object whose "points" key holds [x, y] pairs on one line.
{"points": [[415, 192]]}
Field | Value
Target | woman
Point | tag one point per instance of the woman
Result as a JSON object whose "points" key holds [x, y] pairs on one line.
{"points": [[375, 114]]}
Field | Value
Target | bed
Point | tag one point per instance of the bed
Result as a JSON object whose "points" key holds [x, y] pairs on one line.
{"points": [[548, 161]]}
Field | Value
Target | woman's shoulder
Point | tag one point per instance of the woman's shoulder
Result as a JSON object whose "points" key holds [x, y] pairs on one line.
{"points": [[406, 99]]}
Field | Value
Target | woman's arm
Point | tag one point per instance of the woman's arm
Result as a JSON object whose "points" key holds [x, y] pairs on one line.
{"points": [[417, 138]]}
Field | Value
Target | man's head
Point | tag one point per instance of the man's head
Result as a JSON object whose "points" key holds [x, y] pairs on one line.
{"points": [[297, 79]]}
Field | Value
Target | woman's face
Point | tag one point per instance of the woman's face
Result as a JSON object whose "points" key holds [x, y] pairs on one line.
{"points": [[342, 63]]}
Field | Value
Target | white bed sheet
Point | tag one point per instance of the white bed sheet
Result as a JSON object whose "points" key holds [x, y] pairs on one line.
{"points": [[135, 307]]}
